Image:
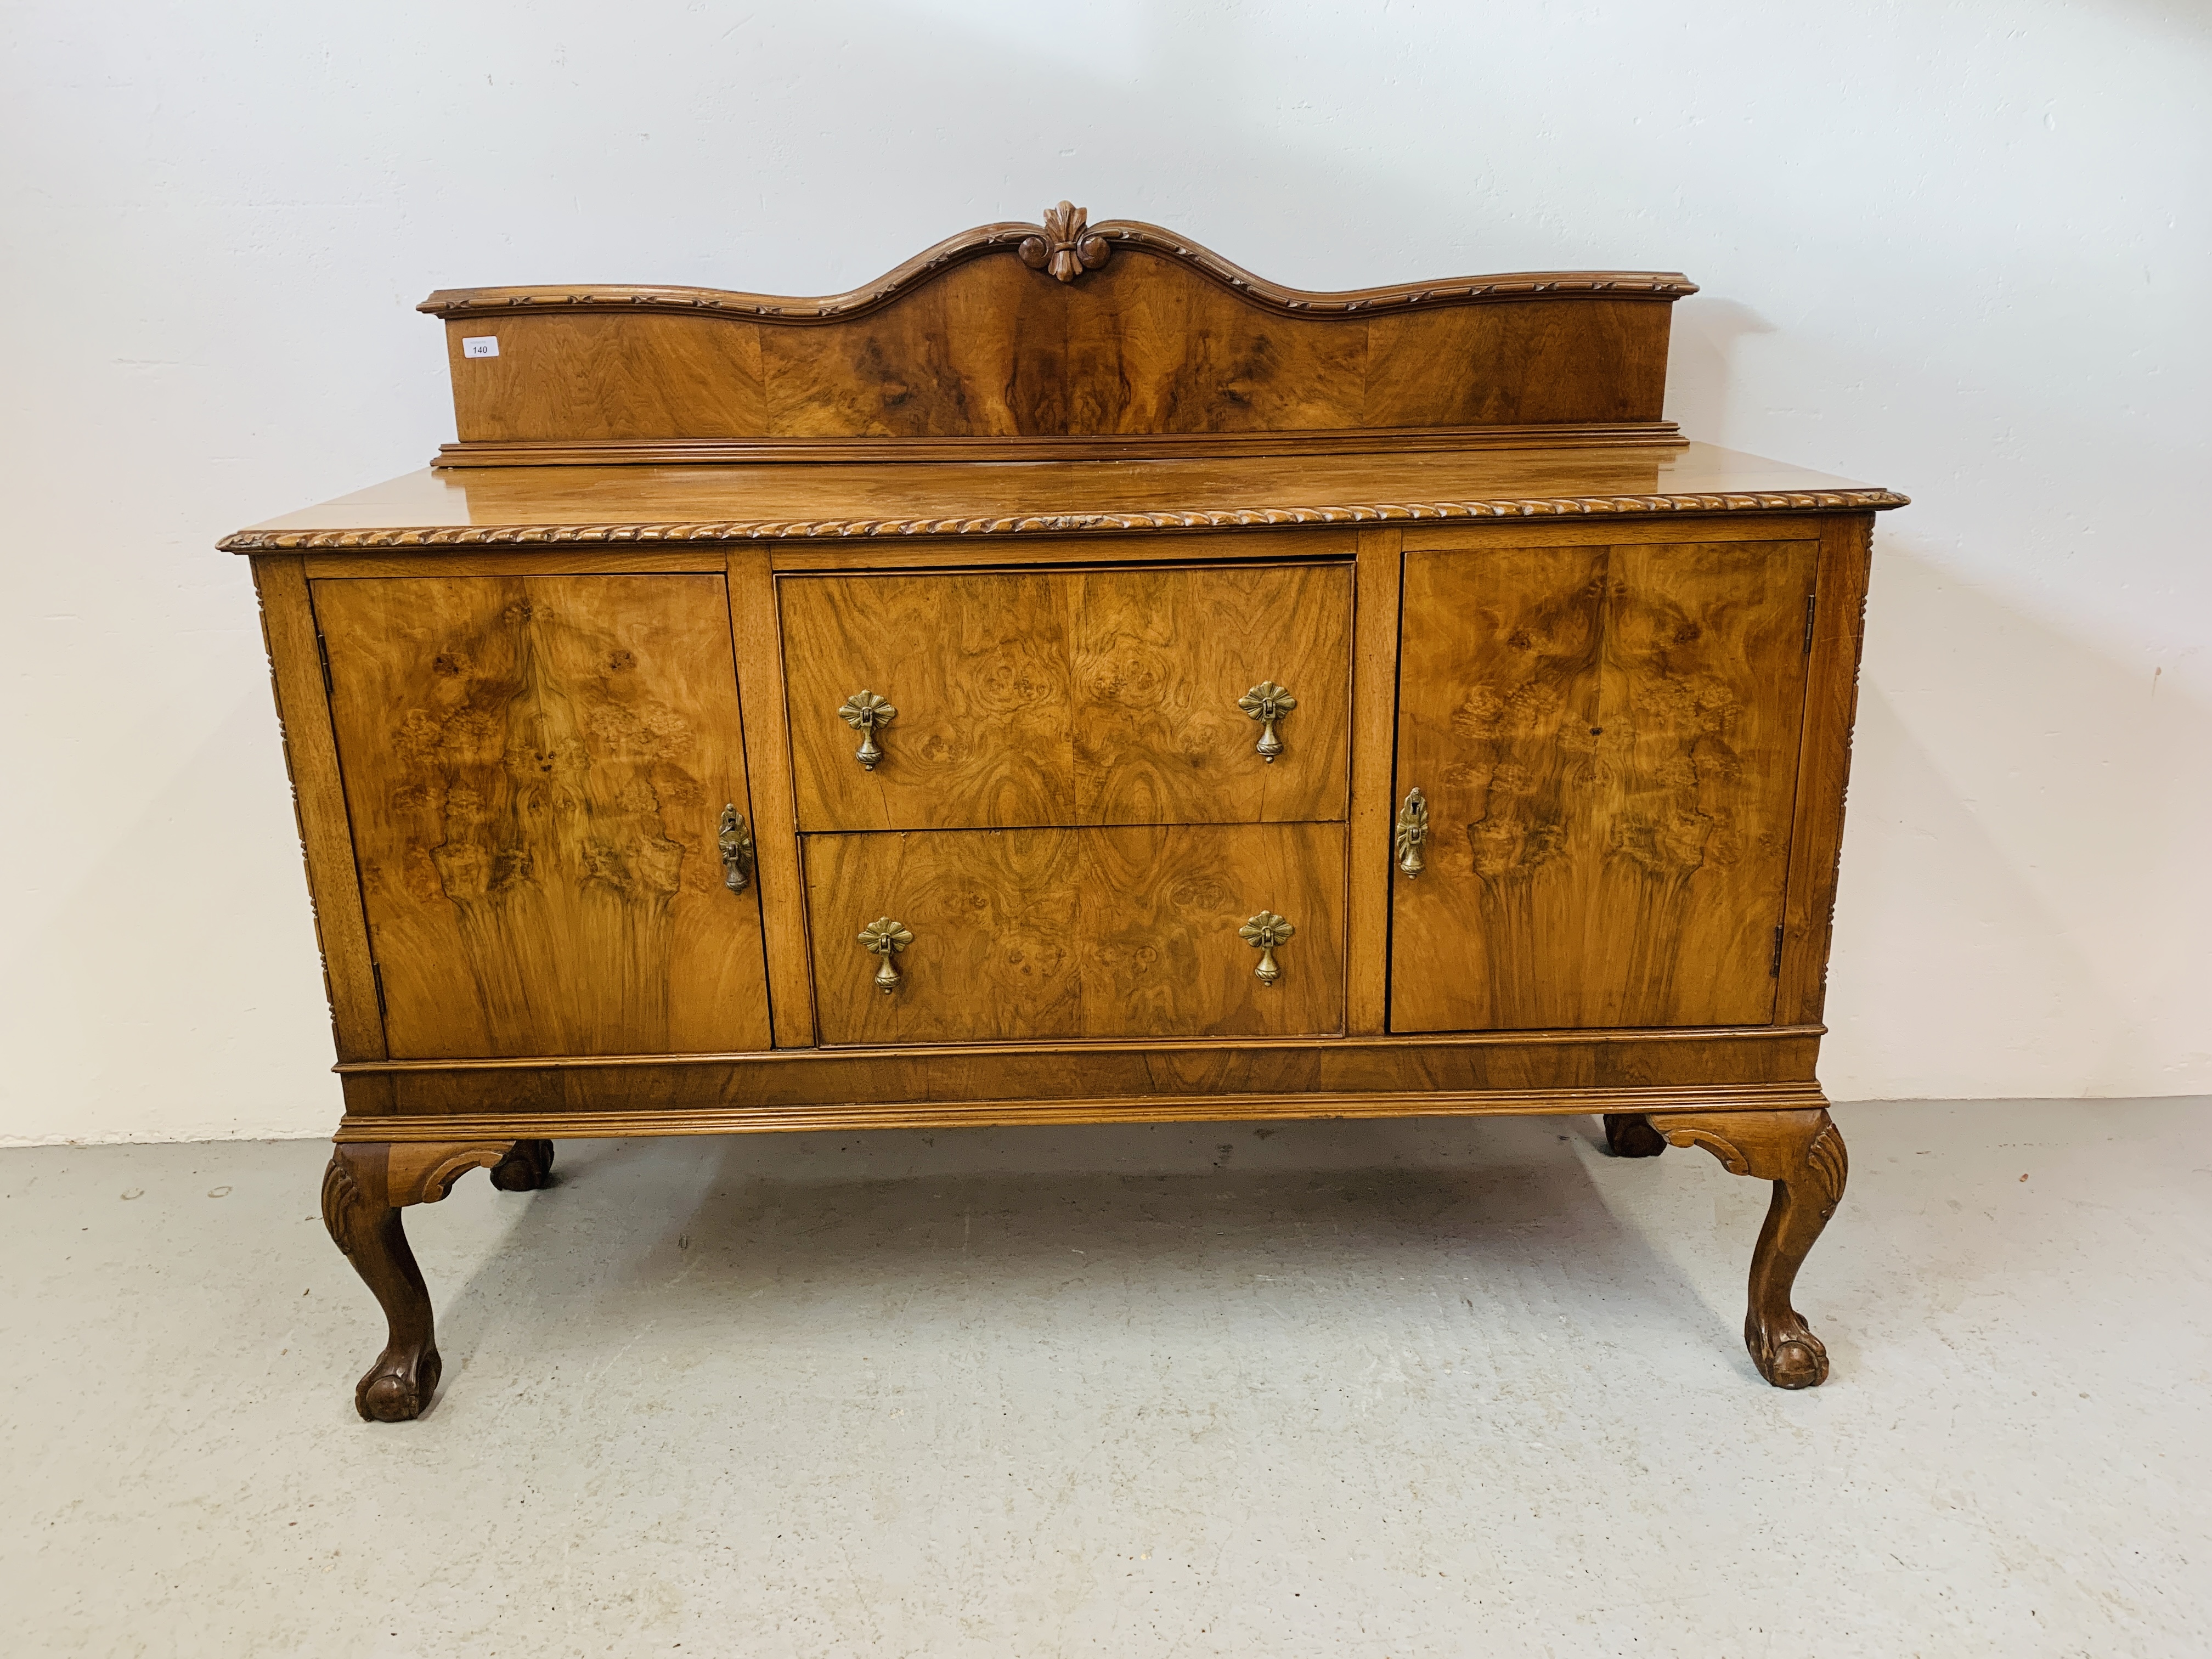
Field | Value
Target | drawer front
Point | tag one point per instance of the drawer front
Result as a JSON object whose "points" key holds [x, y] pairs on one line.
{"points": [[1071, 698], [1041, 934], [1608, 740], [535, 770]]}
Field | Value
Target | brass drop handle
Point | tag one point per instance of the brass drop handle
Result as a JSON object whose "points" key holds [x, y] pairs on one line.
{"points": [[1263, 933], [1413, 831], [737, 844], [1267, 702], [881, 938], [864, 711]]}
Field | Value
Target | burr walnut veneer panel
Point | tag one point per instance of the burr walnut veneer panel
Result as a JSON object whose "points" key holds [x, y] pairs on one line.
{"points": [[1034, 697], [535, 767], [1607, 739]]}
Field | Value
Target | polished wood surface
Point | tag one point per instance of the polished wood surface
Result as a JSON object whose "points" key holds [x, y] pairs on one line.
{"points": [[1077, 933], [1802, 1154], [1607, 739], [1079, 698], [1093, 486], [625, 504], [534, 770], [1156, 337], [978, 667], [311, 767]]}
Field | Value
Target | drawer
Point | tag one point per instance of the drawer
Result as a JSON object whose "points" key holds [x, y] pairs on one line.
{"points": [[1022, 934], [1028, 698]]}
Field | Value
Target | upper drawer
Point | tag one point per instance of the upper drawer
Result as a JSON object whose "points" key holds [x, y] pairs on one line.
{"points": [[1071, 697]]}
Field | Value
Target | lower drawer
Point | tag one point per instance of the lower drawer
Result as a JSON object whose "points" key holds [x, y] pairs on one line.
{"points": [[1026, 934]]}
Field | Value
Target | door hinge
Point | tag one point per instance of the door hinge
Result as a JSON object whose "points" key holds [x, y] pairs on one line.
{"points": [[1774, 963], [376, 973], [1811, 600], [323, 654]]}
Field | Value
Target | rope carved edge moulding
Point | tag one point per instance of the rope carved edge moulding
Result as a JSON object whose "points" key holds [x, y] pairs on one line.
{"points": [[1064, 248], [276, 541]]}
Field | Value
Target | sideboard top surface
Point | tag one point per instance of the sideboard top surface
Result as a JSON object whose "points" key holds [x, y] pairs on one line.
{"points": [[527, 505]]}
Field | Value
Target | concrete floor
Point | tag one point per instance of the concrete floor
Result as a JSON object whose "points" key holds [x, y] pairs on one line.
{"points": [[1389, 1389]]}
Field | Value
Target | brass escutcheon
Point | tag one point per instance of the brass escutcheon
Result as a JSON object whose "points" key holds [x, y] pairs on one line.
{"points": [[881, 938], [1264, 933], [1267, 702], [737, 844], [864, 711]]}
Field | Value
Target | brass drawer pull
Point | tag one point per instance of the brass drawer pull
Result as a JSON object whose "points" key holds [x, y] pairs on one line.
{"points": [[737, 844], [1267, 702], [1264, 933], [864, 711], [1413, 831], [881, 938]]}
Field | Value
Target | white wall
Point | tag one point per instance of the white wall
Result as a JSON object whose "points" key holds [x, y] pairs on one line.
{"points": [[1960, 250]]}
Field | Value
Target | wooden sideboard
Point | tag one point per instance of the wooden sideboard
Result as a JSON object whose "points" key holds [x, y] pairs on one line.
{"points": [[1071, 679]]}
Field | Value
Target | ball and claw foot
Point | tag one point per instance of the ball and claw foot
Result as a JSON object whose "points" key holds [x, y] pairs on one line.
{"points": [[525, 1169], [398, 1386], [1630, 1134], [1788, 1358]]}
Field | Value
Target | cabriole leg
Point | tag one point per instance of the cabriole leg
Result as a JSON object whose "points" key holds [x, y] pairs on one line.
{"points": [[1802, 1152], [364, 1189]]}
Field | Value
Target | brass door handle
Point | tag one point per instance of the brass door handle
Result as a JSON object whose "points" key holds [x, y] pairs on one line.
{"points": [[737, 844], [1267, 702], [881, 938], [1412, 832], [864, 711], [1263, 933]]}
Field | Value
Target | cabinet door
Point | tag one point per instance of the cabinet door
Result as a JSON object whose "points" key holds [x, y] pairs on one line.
{"points": [[535, 767], [1043, 934], [1162, 658], [976, 666], [1608, 738]]}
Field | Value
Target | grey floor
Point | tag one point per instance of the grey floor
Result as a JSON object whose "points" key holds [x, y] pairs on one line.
{"points": [[1389, 1389]]}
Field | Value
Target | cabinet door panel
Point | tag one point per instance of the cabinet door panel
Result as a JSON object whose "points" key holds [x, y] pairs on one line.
{"points": [[534, 771], [977, 668], [1037, 934], [1607, 739], [1161, 659]]}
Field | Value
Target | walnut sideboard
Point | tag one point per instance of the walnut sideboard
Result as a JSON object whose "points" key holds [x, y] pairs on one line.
{"points": [[1071, 679]]}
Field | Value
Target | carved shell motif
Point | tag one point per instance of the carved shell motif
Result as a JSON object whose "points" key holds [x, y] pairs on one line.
{"points": [[1065, 249]]}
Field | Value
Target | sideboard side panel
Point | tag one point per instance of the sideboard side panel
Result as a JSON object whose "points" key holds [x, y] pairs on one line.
{"points": [[1832, 697], [310, 759]]}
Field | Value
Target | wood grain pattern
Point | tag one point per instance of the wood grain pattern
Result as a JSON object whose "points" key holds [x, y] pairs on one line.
{"points": [[1225, 547], [1156, 336], [1041, 934], [757, 638], [311, 767], [977, 666], [645, 506], [597, 375], [1372, 809], [995, 914], [1091, 697], [534, 767], [1607, 737], [1825, 764], [1161, 657]]}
